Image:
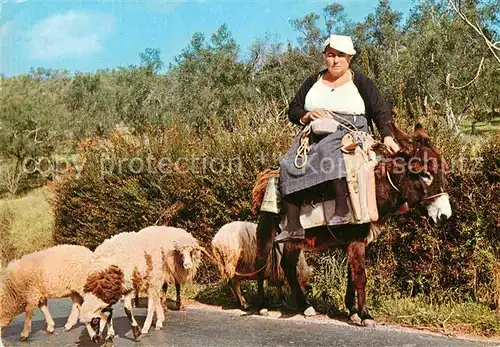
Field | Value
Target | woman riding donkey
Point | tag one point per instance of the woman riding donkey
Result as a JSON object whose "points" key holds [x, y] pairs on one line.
{"points": [[354, 102]]}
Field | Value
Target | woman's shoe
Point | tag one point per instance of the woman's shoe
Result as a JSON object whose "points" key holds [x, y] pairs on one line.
{"points": [[286, 235], [340, 220]]}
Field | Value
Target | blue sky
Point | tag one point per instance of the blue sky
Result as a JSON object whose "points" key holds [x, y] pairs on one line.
{"points": [[90, 35]]}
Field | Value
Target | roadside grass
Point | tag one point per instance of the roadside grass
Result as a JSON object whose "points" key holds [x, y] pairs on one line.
{"points": [[26, 224], [327, 297], [449, 317], [482, 129]]}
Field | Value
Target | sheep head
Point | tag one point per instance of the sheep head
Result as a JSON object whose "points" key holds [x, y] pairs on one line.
{"points": [[102, 290], [187, 257]]}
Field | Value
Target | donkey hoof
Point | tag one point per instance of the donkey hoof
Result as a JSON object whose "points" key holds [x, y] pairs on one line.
{"points": [[264, 312], [355, 318], [368, 323], [310, 311], [23, 338]]}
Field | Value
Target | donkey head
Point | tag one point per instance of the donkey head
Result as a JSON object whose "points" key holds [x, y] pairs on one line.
{"points": [[423, 173]]}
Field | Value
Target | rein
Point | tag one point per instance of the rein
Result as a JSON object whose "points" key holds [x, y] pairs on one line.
{"points": [[435, 196], [390, 181]]}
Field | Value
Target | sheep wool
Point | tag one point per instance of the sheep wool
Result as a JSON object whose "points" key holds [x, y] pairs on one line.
{"points": [[234, 248], [56, 272]]}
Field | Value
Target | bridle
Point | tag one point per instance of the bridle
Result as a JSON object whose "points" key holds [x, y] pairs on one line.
{"points": [[398, 190]]}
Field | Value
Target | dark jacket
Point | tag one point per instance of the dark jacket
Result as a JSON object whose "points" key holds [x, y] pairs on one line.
{"points": [[376, 109]]}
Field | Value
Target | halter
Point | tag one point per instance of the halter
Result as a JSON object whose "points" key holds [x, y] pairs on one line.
{"points": [[397, 190]]}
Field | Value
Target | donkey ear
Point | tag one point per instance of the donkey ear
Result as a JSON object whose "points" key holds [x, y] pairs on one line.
{"points": [[400, 136], [419, 133]]}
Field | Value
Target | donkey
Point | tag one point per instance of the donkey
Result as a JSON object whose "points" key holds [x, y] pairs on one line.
{"points": [[415, 175]]}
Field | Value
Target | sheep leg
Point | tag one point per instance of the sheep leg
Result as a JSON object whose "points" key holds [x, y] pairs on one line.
{"points": [[30, 309], [48, 318], [75, 311], [127, 303], [236, 289], [178, 297], [149, 316], [164, 289], [160, 316], [111, 331]]}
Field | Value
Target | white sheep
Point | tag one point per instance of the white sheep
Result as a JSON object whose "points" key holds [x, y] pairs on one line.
{"points": [[182, 262], [56, 272], [127, 264], [234, 248]]}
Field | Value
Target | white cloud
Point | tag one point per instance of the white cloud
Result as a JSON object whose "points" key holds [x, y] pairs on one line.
{"points": [[71, 34], [5, 32]]}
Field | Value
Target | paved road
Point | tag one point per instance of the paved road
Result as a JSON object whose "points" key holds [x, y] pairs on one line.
{"points": [[209, 327]]}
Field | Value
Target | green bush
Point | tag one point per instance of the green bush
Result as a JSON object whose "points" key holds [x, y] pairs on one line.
{"points": [[458, 260], [205, 182]]}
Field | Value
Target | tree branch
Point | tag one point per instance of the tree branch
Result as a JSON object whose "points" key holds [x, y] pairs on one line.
{"points": [[491, 46], [475, 77]]}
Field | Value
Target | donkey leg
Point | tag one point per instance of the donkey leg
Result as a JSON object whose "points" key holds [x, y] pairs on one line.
{"points": [[356, 260], [266, 228], [289, 265], [350, 298]]}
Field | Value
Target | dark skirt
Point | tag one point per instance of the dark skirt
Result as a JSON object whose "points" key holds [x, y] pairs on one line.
{"points": [[324, 160]]}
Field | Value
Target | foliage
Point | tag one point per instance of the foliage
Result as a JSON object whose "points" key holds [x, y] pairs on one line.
{"points": [[217, 119]]}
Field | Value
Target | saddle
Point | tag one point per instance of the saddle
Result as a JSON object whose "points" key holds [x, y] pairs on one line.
{"points": [[360, 161]]}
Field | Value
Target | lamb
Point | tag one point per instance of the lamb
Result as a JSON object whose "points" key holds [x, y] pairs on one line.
{"points": [[234, 249], [56, 272], [130, 263]]}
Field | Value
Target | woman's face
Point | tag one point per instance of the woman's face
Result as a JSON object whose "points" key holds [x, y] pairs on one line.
{"points": [[336, 62]]}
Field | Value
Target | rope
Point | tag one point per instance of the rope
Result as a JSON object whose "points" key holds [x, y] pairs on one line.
{"points": [[435, 196], [303, 149], [390, 181], [211, 257]]}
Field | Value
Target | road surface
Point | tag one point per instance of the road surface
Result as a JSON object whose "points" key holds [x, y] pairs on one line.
{"points": [[202, 326]]}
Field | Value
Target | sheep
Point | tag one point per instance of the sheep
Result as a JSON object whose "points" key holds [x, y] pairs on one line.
{"points": [[234, 248], [56, 272], [127, 264], [182, 264]]}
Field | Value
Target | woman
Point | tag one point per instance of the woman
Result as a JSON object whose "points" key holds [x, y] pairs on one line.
{"points": [[355, 102]]}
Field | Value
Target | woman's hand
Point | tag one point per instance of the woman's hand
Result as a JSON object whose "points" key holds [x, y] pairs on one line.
{"points": [[310, 116], [392, 146]]}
